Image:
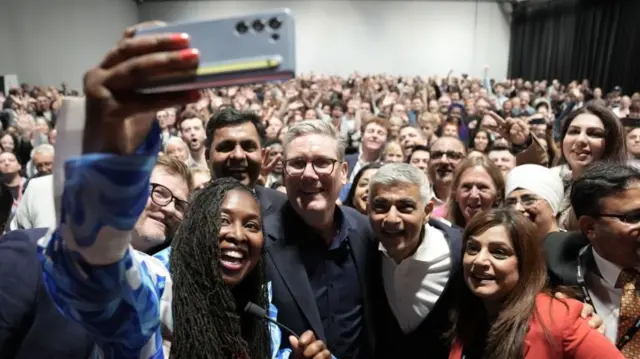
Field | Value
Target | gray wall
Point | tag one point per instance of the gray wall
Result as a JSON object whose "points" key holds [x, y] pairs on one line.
{"points": [[50, 41], [397, 37]]}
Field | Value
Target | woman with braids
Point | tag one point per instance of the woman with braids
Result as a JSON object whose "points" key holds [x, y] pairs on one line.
{"points": [[217, 268], [122, 297]]}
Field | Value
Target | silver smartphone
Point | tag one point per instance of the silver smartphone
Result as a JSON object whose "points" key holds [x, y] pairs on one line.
{"points": [[241, 50]]}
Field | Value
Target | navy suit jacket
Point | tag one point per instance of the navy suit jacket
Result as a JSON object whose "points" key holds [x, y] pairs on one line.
{"points": [[351, 161], [292, 292], [31, 326]]}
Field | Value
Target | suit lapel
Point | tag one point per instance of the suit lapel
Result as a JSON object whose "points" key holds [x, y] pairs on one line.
{"points": [[286, 258], [265, 202]]}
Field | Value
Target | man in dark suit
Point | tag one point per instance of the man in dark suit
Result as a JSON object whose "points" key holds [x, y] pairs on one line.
{"points": [[31, 326], [606, 201], [417, 262], [234, 149], [318, 254]]}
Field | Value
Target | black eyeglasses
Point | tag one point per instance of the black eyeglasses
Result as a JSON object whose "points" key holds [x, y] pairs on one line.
{"points": [[629, 218], [321, 166], [162, 196], [450, 154]]}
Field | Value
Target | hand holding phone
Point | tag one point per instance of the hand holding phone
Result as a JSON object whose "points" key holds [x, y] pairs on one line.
{"points": [[235, 51]]}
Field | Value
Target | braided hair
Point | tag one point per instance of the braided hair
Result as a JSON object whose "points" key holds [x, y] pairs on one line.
{"points": [[208, 315]]}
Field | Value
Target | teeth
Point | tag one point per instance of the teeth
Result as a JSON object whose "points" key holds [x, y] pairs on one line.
{"points": [[233, 254]]}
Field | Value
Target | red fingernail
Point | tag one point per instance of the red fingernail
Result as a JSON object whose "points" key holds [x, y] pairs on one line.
{"points": [[180, 39], [189, 54]]}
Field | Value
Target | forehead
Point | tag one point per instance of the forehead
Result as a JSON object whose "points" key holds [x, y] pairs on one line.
{"points": [[312, 145], [374, 127], [240, 200], [501, 154], [409, 131], [7, 156], [6, 138], [174, 182], [475, 174], [241, 132], [42, 156], [635, 132], [191, 122], [395, 192], [420, 154], [276, 147], [174, 145], [496, 234], [624, 201], [445, 144], [587, 120]]}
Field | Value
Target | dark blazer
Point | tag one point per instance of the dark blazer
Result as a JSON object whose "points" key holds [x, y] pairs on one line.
{"points": [[292, 292], [270, 200], [351, 161], [428, 337], [561, 254], [30, 324]]}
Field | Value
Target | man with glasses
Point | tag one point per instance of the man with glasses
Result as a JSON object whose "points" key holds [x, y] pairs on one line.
{"points": [[603, 259], [32, 326], [446, 153], [318, 253], [171, 183]]}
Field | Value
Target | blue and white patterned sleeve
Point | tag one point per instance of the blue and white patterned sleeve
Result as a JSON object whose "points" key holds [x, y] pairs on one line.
{"points": [[90, 270]]}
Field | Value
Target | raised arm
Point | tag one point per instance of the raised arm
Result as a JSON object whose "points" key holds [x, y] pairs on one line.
{"points": [[90, 270]]}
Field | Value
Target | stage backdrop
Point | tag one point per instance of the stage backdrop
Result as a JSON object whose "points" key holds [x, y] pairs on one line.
{"points": [[577, 39], [397, 37]]}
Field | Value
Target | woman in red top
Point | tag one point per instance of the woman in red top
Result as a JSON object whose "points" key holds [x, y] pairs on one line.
{"points": [[503, 310]]}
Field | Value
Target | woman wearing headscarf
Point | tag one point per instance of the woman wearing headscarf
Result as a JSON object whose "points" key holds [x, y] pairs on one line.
{"points": [[536, 192]]}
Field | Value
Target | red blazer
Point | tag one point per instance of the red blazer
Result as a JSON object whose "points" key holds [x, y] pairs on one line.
{"points": [[572, 333]]}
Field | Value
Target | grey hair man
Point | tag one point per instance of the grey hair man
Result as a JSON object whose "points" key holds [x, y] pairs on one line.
{"points": [[42, 158], [319, 253], [418, 256]]}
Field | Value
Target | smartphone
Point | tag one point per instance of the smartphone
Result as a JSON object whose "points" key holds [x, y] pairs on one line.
{"points": [[250, 49]]}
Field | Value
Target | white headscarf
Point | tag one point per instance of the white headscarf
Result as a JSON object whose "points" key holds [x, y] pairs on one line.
{"points": [[542, 181]]}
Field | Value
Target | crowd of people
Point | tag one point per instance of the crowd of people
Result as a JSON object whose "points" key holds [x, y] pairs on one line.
{"points": [[375, 216]]}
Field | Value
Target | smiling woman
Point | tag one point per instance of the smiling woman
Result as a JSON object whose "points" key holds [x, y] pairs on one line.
{"points": [[503, 309]]}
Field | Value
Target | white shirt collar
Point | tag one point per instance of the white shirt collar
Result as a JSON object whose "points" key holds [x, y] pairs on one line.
{"points": [[424, 252]]}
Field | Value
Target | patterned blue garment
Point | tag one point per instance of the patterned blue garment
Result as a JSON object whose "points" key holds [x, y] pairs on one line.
{"points": [[124, 296]]}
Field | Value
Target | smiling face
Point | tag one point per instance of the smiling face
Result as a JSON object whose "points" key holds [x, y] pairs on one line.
{"points": [[490, 264], [361, 194], [476, 192], [397, 216], [236, 152], [584, 141], [241, 237], [156, 223], [313, 175]]}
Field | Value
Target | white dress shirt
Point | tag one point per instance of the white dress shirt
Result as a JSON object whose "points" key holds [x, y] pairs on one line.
{"points": [[606, 297], [414, 285]]}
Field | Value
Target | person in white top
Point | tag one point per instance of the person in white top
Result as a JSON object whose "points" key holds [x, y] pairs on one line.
{"points": [[416, 258]]}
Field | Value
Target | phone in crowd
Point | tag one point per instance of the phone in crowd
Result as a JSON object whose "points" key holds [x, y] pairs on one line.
{"points": [[251, 49]]}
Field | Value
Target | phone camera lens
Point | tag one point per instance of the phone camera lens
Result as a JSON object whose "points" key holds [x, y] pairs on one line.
{"points": [[275, 37], [241, 27], [274, 23], [258, 25]]}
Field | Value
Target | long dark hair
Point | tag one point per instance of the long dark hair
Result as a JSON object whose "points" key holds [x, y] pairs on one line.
{"points": [[352, 190], [208, 315], [615, 141], [505, 338]]}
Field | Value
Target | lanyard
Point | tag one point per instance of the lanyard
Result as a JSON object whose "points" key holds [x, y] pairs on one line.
{"points": [[582, 265]]}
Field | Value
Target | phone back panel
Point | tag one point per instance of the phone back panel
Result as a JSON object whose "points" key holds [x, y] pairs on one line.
{"points": [[255, 48]]}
